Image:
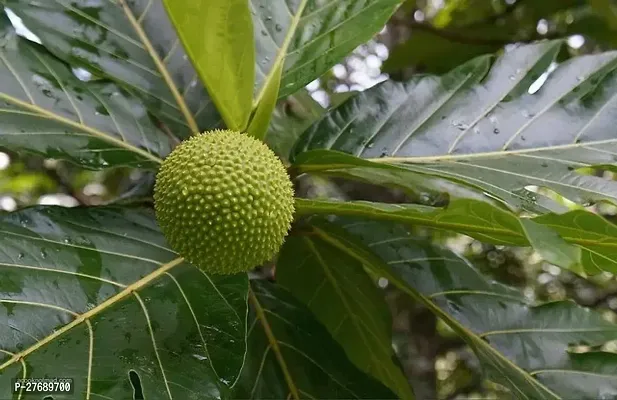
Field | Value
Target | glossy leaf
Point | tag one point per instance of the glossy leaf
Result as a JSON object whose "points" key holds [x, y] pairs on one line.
{"points": [[95, 293], [46, 110], [553, 235], [309, 37], [218, 36], [330, 163], [479, 125], [132, 43], [292, 356], [344, 299], [521, 346]]}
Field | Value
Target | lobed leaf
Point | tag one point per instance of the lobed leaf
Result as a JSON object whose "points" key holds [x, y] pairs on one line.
{"points": [[480, 125], [96, 294], [522, 346], [46, 110], [134, 44]]}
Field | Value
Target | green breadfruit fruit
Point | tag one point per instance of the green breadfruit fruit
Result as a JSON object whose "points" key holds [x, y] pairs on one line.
{"points": [[224, 201]]}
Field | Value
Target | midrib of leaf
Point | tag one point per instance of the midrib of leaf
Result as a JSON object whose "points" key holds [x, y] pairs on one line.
{"points": [[21, 357], [565, 371], [280, 57], [41, 112], [85, 318], [376, 265], [489, 154], [306, 207], [261, 316], [190, 307], [547, 330], [23, 369], [156, 350], [350, 311], [59, 271], [512, 173], [190, 119]]}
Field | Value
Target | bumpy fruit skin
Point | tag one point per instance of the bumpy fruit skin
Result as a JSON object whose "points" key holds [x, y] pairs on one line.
{"points": [[224, 201]]}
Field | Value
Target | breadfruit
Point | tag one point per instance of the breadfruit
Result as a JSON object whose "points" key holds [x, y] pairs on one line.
{"points": [[224, 201]]}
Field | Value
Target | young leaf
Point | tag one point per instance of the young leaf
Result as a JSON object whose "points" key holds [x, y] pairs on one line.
{"points": [[344, 299], [218, 36], [497, 322], [46, 110], [96, 294], [291, 356], [134, 44], [479, 124]]}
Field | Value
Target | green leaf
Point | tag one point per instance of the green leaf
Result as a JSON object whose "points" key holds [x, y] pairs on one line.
{"points": [[344, 299], [46, 110], [479, 125], [292, 356], [308, 37], [551, 246], [329, 163], [552, 235], [132, 43], [521, 346], [218, 36], [95, 293]]}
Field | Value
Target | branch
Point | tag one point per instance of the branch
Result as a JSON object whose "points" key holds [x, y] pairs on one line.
{"points": [[464, 38]]}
